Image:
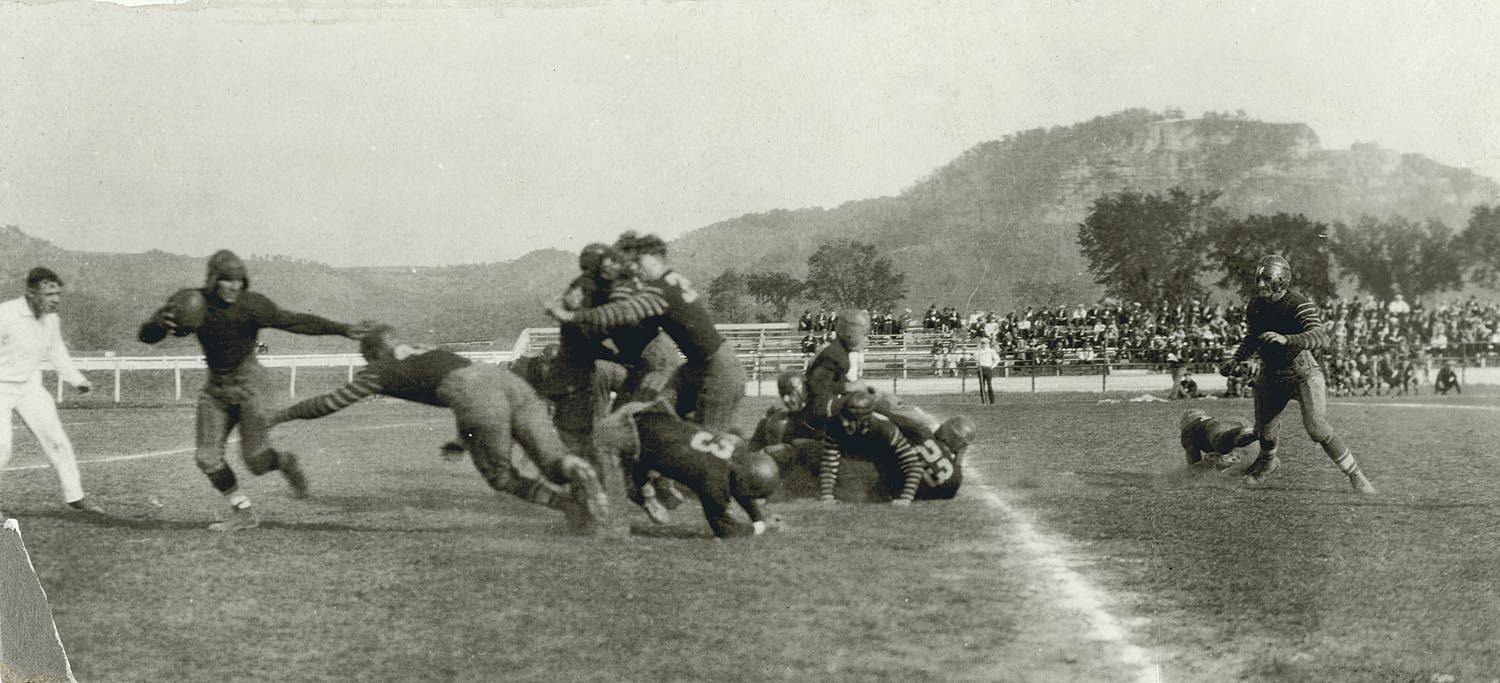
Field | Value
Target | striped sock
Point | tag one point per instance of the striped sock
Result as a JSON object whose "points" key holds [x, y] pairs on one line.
{"points": [[1341, 456]]}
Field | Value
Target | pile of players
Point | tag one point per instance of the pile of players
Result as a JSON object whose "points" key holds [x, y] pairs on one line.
{"points": [[639, 397]]}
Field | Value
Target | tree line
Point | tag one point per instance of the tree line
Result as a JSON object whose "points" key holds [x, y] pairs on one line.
{"points": [[1160, 246], [840, 274]]}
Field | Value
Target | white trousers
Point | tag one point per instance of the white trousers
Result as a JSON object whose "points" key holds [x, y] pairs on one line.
{"points": [[31, 401]]}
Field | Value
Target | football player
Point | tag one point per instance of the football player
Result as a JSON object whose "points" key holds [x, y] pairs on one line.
{"points": [[236, 393], [1283, 327], [716, 465], [493, 408], [1447, 379], [929, 469], [712, 381], [1212, 439], [836, 370]]}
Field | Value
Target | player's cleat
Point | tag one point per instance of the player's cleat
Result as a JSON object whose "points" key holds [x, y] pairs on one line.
{"points": [[589, 493], [1260, 470], [1360, 483], [88, 506], [240, 518], [670, 496], [291, 467], [656, 511]]}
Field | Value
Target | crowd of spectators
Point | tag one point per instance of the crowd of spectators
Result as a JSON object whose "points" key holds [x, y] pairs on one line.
{"points": [[1375, 344]]}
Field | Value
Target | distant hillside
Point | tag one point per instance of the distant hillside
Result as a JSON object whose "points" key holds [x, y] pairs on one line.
{"points": [[1003, 211], [1010, 207]]}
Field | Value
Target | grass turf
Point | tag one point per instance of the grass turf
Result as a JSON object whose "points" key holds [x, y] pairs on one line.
{"points": [[403, 567]]}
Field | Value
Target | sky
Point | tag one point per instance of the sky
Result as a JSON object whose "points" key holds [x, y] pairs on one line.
{"points": [[419, 133]]}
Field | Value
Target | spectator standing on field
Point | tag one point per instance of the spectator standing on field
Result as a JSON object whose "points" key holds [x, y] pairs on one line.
{"points": [[30, 332], [987, 359]]}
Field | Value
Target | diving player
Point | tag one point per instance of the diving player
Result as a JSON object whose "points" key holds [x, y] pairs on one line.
{"points": [[493, 409]]}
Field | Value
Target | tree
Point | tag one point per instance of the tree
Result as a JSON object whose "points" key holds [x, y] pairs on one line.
{"points": [[1149, 247], [1398, 256], [724, 296], [1235, 246], [1479, 245], [1043, 292], [777, 290], [846, 273]]}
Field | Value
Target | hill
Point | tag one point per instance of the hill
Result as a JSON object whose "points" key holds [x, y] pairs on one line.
{"points": [[1004, 212], [1007, 210]]}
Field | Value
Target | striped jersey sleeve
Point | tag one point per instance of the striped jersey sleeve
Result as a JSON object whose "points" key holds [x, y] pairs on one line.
{"points": [[366, 383], [1313, 334], [625, 312]]}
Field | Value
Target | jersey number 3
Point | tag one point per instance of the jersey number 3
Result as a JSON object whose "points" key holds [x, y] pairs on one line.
{"points": [[706, 442]]}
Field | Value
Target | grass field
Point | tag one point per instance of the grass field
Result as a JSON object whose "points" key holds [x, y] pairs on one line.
{"points": [[1080, 549]]}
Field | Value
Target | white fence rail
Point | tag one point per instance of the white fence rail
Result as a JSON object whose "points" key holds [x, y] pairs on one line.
{"points": [[178, 364]]}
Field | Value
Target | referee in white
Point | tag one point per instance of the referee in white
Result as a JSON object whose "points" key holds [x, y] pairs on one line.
{"points": [[29, 334]]}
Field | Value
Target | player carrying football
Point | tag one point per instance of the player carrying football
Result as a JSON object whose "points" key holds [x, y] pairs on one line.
{"points": [[1283, 327], [236, 393], [494, 410]]}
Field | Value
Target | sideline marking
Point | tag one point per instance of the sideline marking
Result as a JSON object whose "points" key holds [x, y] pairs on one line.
{"points": [[174, 451], [1418, 405], [1076, 593]]}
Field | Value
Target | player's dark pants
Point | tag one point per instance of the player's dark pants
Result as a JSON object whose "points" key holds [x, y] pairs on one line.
{"points": [[493, 414], [1271, 397], [239, 398], [712, 387], [986, 384]]}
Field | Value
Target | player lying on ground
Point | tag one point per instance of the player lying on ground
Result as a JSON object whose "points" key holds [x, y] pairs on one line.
{"points": [[1213, 439], [931, 468], [714, 464], [493, 409]]}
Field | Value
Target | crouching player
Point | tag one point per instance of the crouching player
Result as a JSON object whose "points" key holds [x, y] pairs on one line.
{"points": [[493, 408], [1212, 440], [716, 465], [930, 469]]}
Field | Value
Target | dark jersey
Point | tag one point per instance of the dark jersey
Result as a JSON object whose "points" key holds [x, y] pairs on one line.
{"points": [[1293, 315], [880, 442], [1219, 435], [669, 303], [942, 469], [699, 458], [415, 377], [229, 331], [827, 379]]}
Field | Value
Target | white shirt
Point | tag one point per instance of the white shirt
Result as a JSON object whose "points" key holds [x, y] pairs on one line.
{"points": [[987, 358], [26, 341]]}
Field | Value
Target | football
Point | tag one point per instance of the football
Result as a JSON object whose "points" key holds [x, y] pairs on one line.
{"points": [[188, 308]]}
